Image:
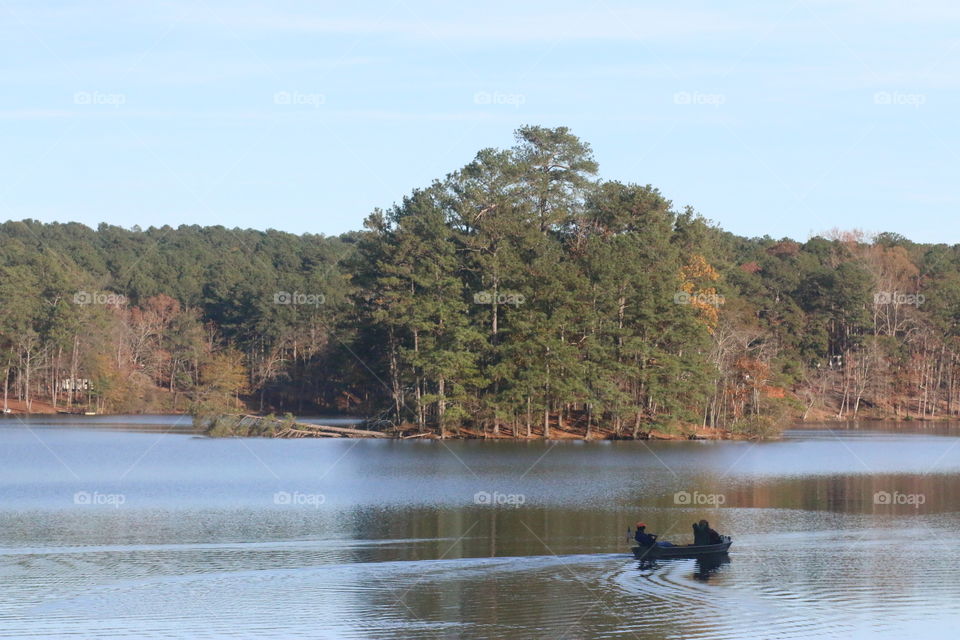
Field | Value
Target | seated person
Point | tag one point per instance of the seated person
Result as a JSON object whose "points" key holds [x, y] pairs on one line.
{"points": [[703, 534], [700, 535], [645, 539], [713, 537]]}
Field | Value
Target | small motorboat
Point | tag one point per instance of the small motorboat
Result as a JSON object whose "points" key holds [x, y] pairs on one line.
{"points": [[682, 550]]}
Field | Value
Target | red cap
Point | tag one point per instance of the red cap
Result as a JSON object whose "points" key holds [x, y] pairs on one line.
{"points": [[640, 524]]}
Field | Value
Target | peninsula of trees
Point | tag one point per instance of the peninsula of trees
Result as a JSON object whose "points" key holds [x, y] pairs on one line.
{"points": [[520, 295]]}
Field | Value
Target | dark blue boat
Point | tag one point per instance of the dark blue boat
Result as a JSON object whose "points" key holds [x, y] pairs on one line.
{"points": [[681, 550]]}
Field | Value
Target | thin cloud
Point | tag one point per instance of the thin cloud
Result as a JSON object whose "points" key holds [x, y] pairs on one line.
{"points": [[423, 22]]}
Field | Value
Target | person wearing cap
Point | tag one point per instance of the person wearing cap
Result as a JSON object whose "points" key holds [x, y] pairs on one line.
{"points": [[645, 539]]}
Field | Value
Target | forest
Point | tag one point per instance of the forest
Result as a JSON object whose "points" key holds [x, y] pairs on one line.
{"points": [[519, 296]]}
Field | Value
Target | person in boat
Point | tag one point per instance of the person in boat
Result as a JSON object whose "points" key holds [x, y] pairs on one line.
{"points": [[703, 534], [713, 537], [645, 539], [699, 535]]}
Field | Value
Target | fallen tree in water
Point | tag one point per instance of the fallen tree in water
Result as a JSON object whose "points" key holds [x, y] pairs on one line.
{"points": [[250, 426], [270, 426]]}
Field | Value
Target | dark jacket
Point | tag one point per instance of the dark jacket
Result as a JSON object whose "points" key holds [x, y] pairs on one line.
{"points": [[701, 535], [644, 539], [705, 535]]}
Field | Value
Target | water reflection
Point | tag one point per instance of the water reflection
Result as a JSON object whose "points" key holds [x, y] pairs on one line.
{"points": [[709, 565], [401, 547], [704, 566]]}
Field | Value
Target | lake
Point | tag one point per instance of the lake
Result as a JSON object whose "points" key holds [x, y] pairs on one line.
{"points": [[133, 527]]}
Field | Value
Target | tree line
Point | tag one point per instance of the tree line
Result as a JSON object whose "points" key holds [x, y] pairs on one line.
{"points": [[520, 295]]}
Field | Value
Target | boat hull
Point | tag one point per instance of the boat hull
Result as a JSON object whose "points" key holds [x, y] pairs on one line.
{"points": [[680, 551]]}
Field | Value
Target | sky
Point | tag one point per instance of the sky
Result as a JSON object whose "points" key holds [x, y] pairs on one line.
{"points": [[785, 119]]}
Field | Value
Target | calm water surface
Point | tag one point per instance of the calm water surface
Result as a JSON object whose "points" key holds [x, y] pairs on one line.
{"points": [[132, 527]]}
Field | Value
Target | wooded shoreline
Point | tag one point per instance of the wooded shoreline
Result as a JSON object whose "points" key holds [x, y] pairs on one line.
{"points": [[289, 427], [518, 296]]}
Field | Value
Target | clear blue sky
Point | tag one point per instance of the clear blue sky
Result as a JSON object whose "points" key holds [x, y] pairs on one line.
{"points": [[779, 118]]}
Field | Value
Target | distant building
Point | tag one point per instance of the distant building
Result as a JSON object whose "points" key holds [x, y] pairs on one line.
{"points": [[75, 384]]}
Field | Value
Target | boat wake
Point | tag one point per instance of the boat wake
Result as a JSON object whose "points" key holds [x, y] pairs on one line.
{"points": [[288, 589]]}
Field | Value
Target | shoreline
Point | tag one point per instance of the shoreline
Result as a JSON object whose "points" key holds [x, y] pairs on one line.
{"points": [[292, 428]]}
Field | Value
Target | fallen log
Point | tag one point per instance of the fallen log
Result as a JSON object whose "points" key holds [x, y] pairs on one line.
{"points": [[305, 427], [287, 428]]}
